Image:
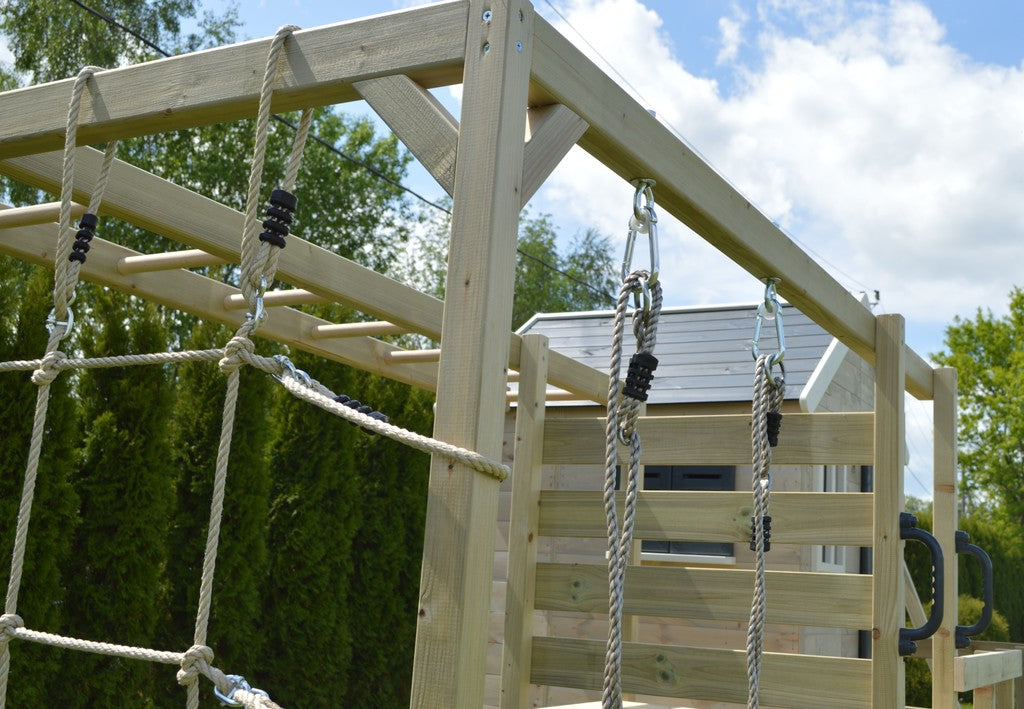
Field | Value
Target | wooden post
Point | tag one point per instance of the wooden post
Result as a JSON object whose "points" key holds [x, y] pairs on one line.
{"points": [[523, 535], [887, 672], [944, 527], [462, 505]]}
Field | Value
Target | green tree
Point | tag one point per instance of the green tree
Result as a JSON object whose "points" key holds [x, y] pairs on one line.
{"points": [[988, 353], [54, 512], [126, 488]]}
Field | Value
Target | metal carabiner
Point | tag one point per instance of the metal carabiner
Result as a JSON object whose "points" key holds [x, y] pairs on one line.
{"points": [[238, 682], [767, 310], [52, 322], [643, 221], [296, 373]]}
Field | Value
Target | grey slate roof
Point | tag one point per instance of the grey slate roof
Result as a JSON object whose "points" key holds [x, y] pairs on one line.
{"points": [[704, 353]]}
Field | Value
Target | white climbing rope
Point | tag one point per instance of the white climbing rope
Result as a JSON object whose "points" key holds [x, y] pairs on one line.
{"points": [[623, 411]]}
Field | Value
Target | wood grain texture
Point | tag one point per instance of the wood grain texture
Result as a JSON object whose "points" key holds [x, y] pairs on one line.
{"points": [[985, 668], [944, 525]]}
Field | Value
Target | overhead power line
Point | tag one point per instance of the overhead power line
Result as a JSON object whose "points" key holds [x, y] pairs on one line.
{"points": [[334, 149]]}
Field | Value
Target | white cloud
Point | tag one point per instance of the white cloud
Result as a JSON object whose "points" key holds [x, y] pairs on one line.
{"points": [[731, 31]]}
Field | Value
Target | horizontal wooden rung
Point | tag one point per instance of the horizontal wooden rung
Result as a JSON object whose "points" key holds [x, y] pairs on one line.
{"points": [[805, 439], [840, 518], [795, 681], [35, 214], [798, 598], [359, 329], [292, 296], [985, 668], [413, 356], [189, 258]]}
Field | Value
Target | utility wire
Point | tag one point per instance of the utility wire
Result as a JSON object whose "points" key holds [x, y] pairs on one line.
{"points": [[330, 146]]}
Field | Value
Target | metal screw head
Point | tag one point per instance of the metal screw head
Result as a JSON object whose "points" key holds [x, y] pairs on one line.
{"points": [[487, 47], [488, 15], [519, 46]]}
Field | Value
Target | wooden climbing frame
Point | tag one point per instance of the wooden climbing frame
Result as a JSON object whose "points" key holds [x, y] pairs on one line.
{"points": [[528, 97]]}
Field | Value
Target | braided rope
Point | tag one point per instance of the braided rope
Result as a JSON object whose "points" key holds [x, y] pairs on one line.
{"points": [[58, 361], [620, 425], [768, 395]]}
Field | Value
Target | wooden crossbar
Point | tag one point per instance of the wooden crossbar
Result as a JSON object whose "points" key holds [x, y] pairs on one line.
{"points": [[805, 439], [272, 298], [985, 668], [794, 681], [189, 258], [35, 214], [797, 598], [797, 517]]}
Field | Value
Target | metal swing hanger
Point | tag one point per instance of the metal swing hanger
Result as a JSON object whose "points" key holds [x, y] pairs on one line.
{"points": [[769, 309]]}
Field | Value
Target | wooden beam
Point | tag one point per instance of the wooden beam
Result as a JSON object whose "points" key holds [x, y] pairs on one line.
{"points": [[632, 143], [805, 439], [35, 214], [164, 208], [793, 681], [523, 534], [274, 298], [357, 329], [190, 258], [666, 515], [944, 525], [888, 688], [462, 505], [218, 85], [797, 598], [552, 131], [985, 668], [419, 120], [204, 297]]}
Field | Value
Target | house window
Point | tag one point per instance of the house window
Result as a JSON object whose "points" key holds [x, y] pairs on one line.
{"points": [[689, 477], [830, 478]]}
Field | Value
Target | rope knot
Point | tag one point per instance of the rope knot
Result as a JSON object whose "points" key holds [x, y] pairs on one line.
{"points": [[238, 351], [49, 368], [9, 622], [194, 662]]}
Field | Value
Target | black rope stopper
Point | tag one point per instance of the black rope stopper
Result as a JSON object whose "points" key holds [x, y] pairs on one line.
{"points": [[279, 217], [772, 427], [86, 232], [354, 404], [639, 375], [767, 526]]}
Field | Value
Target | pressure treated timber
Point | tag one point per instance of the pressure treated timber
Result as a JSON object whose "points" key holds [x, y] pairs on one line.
{"points": [[522, 535], [797, 598], [419, 120], [985, 668], [357, 329], [204, 297], [793, 681], [797, 517], [945, 511], [36, 214], [805, 439], [632, 143], [462, 505], [887, 671], [167, 209], [414, 356], [274, 298], [222, 84], [189, 258], [553, 130]]}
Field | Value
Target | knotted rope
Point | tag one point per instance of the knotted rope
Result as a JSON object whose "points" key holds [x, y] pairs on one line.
{"points": [[767, 401], [622, 413]]}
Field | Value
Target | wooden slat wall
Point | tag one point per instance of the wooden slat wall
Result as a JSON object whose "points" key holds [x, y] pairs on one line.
{"points": [[795, 681], [842, 518]]}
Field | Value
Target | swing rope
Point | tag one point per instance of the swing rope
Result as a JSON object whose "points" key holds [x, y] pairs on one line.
{"points": [[766, 418], [622, 414]]}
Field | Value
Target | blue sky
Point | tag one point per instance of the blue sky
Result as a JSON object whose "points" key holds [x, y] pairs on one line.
{"points": [[885, 137]]}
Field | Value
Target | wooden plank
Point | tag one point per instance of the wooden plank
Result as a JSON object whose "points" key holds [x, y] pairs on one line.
{"points": [[805, 439], [553, 130], [223, 84], [196, 294], [523, 534], [462, 505], [890, 440], [944, 508], [631, 142], [419, 120], [808, 599], [842, 518], [794, 681], [35, 214], [190, 258], [1018, 683], [164, 208], [985, 668]]}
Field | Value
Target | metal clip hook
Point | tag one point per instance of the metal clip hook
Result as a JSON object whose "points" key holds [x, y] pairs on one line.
{"points": [[259, 313], [238, 682], [290, 367], [767, 310], [52, 322], [643, 221]]}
